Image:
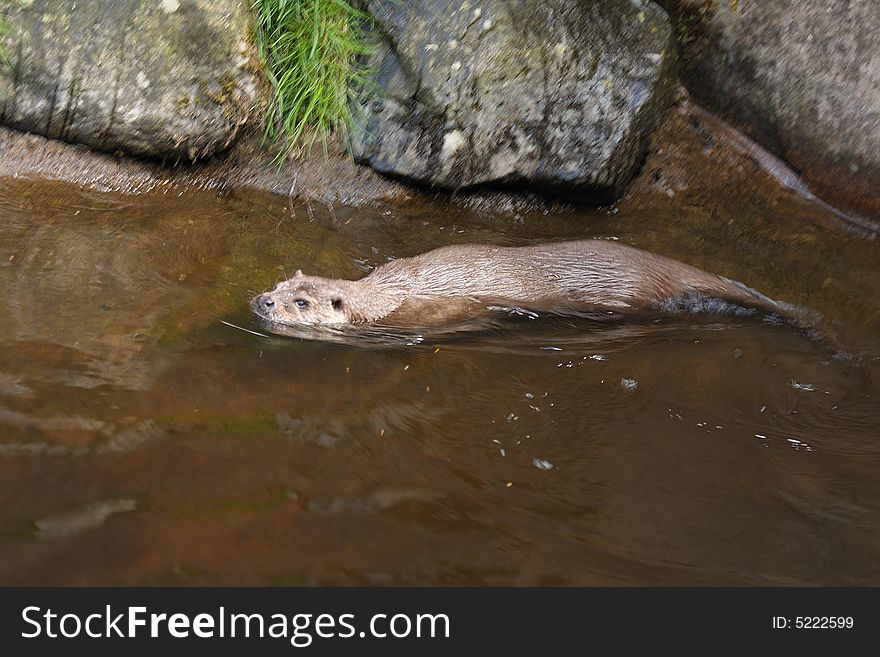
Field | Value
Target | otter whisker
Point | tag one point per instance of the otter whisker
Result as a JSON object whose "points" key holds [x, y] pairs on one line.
{"points": [[241, 328]]}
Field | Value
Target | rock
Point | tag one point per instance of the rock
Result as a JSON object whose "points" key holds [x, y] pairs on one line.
{"points": [[801, 77], [155, 78], [558, 94], [247, 165]]}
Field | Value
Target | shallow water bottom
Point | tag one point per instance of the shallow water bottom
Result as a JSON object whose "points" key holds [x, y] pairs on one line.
{"points": [[145, 441]]}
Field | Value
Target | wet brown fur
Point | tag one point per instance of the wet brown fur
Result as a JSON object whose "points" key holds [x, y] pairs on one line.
{"points": [[453, 282]]}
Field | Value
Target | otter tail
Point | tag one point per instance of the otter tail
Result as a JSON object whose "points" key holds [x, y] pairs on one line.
{"points": [[742, 295], [745, 298], [720, 295]]}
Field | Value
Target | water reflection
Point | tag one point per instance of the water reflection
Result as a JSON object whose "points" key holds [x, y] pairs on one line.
{"points": [[91, 516], [93, 274]]}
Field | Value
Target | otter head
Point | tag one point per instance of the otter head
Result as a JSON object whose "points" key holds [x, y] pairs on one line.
{"points": [[302, 300]]}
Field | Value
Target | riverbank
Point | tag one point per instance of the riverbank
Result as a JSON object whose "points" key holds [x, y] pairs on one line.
{"points": [[693, 158]]}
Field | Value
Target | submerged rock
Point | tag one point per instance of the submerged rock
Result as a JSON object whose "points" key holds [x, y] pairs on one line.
{"points": [[75, 521], [801, 77], [558, 94], [156, 78]]}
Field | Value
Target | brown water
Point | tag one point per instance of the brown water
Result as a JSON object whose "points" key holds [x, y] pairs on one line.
{"points": [[142, 441]]}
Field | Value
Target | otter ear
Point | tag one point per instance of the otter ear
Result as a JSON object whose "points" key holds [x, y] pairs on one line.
{"points": [[298, 274], [337, 303]]}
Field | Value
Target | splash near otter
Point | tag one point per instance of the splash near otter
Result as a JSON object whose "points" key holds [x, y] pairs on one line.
{"points": [[597, 278]]}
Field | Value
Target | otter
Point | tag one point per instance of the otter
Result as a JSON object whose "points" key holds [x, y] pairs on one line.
{"points": [[597, 278]]}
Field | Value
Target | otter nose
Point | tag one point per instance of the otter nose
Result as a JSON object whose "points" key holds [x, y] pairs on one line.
{"points": [[265, 303]]}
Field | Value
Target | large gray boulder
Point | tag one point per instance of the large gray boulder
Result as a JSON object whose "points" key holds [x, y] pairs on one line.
{"points": [[156, 78], [553, 94], [802, 77]]}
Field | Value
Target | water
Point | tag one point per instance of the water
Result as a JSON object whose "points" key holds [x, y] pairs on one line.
{"points": [[144, 441]]}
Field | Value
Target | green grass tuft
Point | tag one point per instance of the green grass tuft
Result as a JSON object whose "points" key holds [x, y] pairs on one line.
{"points": [[5, 29], [310, 51]]}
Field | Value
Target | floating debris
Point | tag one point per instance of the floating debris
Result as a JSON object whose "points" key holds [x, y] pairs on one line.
{"points": [[541, 464], [799, 445], [807, 387], [629, 384]]}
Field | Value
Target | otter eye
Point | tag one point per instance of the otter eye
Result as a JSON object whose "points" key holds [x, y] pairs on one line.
{"points": [[301, 303], [337, 304]]}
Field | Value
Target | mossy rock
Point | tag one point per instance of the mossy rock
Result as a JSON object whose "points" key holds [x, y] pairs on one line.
{"points": [[517, 93], [166, 79]]}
